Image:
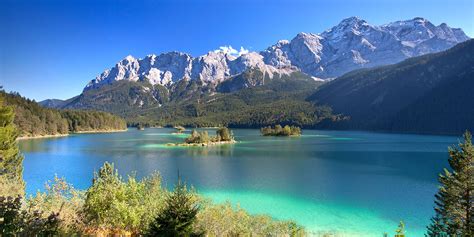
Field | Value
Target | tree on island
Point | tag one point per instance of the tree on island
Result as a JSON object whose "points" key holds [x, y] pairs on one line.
{"points": [[455, 198], [278, 130], [223, 134], [178, 216]]}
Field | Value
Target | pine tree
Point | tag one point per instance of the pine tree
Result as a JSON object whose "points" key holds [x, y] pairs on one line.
{"points": [[179, 215], [454, 200], [11, 167]]}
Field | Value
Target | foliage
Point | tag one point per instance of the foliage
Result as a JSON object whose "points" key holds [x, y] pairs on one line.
{"points": [[11, 221], [116, 205], [10, 187], [178, 216], [455, 198], [18, 222], [60, 197], [224, 220], [11, 167], [278, 130], [32, 119]]}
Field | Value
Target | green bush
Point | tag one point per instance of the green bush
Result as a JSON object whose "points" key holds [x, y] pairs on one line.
{"points": [[224, 220], [114, 204]]}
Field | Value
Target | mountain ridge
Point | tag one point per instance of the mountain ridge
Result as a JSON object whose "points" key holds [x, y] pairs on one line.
{"points": [[352, 44]]}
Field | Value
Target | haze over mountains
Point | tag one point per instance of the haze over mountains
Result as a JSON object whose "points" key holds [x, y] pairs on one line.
{"points": [[175, 87]]}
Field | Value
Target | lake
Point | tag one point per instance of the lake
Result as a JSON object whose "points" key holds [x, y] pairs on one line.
{"points": [[355, 183]]}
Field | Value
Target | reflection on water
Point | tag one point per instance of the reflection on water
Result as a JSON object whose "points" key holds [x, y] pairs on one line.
{"points": [[345, 181]]}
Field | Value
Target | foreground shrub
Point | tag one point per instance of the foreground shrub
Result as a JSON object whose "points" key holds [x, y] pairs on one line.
{"points": [[113, 206], [60, 197], [178, 216], [224, 220], [15, 221], [117, 206]]}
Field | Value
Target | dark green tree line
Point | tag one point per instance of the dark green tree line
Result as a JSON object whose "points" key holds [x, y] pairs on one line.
{"points": [[33, 119]]}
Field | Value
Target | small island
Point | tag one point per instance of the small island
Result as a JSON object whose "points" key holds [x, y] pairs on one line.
{"points": [[223, 136], [278, 130]]}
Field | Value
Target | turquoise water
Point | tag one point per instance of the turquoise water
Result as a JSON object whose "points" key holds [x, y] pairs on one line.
{"points": [[354, 183]]}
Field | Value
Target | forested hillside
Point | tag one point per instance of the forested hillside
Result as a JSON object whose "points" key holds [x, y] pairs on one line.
{"points": [[428, 94], [251, 99], [35, 120], [274, 101], [280, 100]]}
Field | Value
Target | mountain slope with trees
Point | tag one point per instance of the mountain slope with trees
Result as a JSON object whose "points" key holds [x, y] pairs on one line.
{"points": [[252, 99], [35, 120], [428, 94]]}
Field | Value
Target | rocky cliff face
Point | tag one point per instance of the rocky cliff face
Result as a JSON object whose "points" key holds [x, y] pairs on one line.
{"points": [[352, 44]]}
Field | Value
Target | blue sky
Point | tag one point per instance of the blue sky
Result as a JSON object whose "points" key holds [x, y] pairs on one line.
{"points": [[51, 49]]}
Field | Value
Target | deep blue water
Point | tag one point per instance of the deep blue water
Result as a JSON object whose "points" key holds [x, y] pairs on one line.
{"points": [[357, 183]]}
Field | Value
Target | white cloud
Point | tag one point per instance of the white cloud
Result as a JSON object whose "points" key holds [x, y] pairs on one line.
{"points": [[229, 50]]}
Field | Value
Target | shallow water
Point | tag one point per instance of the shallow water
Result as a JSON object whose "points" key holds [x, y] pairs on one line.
{"points": [[356, 183]]}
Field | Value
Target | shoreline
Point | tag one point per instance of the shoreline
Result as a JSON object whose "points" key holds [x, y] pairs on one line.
{"points": [[100, 131], [68, 134], [299, 135], [42, 136]]}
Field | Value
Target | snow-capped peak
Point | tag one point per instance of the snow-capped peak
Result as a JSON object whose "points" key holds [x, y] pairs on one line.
{"points": [[352, 25], [351, 44], [231, 51]]}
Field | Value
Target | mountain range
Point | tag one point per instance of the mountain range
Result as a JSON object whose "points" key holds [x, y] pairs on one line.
{"points": [[175, 87], [352, 44]]}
